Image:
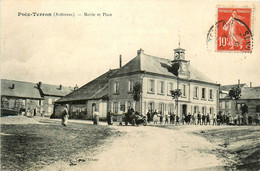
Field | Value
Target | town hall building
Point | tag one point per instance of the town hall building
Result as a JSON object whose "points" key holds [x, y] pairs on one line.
{"points": [[158, 76]]}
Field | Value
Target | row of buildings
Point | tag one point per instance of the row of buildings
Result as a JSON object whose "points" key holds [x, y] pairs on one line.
{"points": [[112, 91], [30, 98]]}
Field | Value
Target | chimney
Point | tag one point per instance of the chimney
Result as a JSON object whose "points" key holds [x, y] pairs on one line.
{"points": [[39, 84], [60, 87], [140, 51], [76, 87], [12, 86], [250, 84], [238, 82], [120, 61]]}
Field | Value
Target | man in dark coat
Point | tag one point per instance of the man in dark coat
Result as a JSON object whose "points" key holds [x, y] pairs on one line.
{"points": [[208, 119], [203, 119], [148, 116], [171, 119], [177, 119]]}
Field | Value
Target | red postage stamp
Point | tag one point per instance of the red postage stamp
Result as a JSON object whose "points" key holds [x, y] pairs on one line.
{"points": [[234, 29]]}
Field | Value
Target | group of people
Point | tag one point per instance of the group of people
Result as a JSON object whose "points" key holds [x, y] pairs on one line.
{"points": [[171, 118], [196, 119]]}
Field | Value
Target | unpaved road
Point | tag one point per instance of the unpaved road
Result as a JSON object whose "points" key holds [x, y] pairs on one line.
{"points": [[153, 148]]}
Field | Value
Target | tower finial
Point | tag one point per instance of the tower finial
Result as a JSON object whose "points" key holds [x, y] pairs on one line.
{"points": [[179, 40]]}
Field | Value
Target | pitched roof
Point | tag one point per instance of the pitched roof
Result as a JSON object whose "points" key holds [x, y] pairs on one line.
{"points": [[54, 90], [96, 89], [21, 89], [250, 93], [246, 92], [157, 65], [229, 87]]}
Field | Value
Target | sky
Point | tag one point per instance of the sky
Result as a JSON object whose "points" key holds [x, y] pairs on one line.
{"points": [[74, 50]]}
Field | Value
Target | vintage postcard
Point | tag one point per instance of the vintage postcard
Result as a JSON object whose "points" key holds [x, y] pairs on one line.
{"points": [[130, 85]]}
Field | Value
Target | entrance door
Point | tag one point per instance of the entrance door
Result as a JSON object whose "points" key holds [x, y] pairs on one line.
{"points": [[93, 108], [184, 109]]}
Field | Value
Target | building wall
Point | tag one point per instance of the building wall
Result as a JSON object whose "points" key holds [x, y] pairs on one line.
{"points": [[47, 105], [84, 109], [160, 96], [165, 101], [122, 100], [229, 106], [26, 106]]}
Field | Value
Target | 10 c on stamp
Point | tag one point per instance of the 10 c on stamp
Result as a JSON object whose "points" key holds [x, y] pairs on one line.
{"points": [[234, 29]]}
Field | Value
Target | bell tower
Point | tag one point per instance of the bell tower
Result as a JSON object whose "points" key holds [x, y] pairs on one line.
{"points": [[183, 66]]}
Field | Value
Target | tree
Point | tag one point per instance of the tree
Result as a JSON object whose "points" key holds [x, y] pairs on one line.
{"points": [[235, 94], [175, 95], [137, 91]]}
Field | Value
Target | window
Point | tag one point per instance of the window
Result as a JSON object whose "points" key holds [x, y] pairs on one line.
{"points": [[195, 93], [227, 105], [130, 86], [161, 87], [151, 106], [170, 87], [115, 107], [122, 108], [151, 86], [40, 102], [203, 110], [195, 109], [129, 105], [161, 108], [223, 105], [116, 87], [210, 94], [211, 110], [257, 108], [203, 93], [184, 90], [49, 101]]}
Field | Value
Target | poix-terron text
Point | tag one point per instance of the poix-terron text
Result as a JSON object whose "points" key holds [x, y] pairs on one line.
{"points": [[62, 14]]}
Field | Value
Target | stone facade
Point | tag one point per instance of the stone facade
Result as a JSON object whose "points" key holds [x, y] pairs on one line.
{"points": [[113, 90]]}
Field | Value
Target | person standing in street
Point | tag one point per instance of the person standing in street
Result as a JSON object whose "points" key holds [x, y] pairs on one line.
{"points": [[214, 119], [65, 115], [166, 119], [161, 118], [177, 120], [199, 118], [155, 117], [96, 117], [171, 119], [148, 116], [203, 119], [109, 114], [208, 119]]}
